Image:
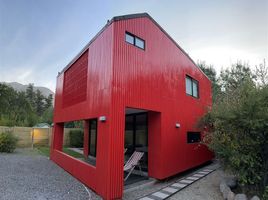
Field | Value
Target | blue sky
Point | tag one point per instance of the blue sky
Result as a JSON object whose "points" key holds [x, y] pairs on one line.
{"points": [[38, 38]]}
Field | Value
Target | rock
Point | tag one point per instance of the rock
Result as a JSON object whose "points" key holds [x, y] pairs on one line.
{"points": [[255, 198], [231, 195], [231, 182], [225, 192], [223, 186], [240, 197]]}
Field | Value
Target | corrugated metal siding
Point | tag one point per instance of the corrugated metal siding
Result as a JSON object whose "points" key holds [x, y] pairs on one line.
{"points": [[154, 79], [98, 100], [121, 75], [75, 82]]}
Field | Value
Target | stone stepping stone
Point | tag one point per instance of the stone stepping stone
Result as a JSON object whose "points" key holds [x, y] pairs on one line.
{"points": [[177, 186]]}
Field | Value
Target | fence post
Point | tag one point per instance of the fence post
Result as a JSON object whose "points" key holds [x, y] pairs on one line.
{"points": [[32, 137]]}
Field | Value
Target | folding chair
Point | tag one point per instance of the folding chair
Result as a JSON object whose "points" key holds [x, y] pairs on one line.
{"points": [[132, 162]]}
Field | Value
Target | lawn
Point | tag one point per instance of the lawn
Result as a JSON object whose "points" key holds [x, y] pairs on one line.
{"points": [[46, 152]]}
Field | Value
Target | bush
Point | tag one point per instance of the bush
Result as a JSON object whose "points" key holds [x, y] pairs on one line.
{"points": [[238, 133], [7, 142], [76, 138], [265, 194]]}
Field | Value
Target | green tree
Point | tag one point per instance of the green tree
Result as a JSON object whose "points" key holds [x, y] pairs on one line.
{"points": [[231, 78], [48, 115], [210, 71], [48, 101], [237, 128], [30, 94], [6, 94], [261, 72], [39, 103], [24, 108]]}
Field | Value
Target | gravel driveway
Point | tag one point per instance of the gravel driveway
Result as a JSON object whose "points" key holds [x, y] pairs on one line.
{"points": [[26, 175]]}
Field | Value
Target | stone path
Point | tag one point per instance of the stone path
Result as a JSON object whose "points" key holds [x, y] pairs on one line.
{"points": [[173, 188]]}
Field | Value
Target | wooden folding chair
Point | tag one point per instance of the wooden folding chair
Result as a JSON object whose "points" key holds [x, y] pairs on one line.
{"points": [[132, 162]]}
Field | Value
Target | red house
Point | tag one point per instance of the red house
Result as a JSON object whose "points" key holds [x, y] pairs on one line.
{"points": [[135, 88]]}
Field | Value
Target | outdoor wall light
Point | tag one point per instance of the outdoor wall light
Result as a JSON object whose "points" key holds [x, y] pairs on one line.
{"points": [[177, 125], [102, 118]]}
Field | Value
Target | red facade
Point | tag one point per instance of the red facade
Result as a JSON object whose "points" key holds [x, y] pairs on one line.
{"points": [[110, 75]]}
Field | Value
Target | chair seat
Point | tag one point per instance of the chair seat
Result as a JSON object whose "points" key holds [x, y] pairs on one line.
{"points": [[132, 162]]}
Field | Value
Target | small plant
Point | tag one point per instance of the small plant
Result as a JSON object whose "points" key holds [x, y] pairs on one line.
{"points": [[7, 142], [265, 194], [76, 138]]}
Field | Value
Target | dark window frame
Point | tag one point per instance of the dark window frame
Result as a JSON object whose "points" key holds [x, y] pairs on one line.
{"points": [[134, 115], [192, 87], [191, 140], [89, 137], [135, 37]]}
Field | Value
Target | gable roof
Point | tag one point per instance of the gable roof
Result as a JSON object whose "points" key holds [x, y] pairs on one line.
{"points": [[126, 17]]}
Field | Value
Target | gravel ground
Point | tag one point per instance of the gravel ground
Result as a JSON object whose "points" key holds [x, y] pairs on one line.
{"points": [[26, 175], [206, 188]]}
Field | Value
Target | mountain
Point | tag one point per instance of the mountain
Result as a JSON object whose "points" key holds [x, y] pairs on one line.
{"points": [[20, 87]]}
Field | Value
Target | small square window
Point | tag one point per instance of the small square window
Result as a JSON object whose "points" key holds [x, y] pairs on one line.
{"points": [[134, 40], [139, 43], [129, 38], [193, 137]]}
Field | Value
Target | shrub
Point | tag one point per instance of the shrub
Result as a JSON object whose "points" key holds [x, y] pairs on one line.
{"points": [[7, 142], [76, 138], [238, 133], [265, 194]]}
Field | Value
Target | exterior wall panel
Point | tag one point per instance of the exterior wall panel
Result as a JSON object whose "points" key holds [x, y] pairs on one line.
{"points": [[97, 103], [154, 79], [120, 75]]}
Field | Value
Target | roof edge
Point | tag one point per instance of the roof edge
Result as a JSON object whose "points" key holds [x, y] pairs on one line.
{"points": [[126, 17]]}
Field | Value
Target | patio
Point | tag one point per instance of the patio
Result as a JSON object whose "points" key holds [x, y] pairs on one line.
{"points": [[133, 178]]}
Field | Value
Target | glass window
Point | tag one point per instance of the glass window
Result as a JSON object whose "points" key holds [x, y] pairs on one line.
{"points": [[129, 132], [134, 40], [195, 88], [189, 86], [93, 137], [129, 38], [193, 137], [141, 130], [192, 87], [139, 43]]}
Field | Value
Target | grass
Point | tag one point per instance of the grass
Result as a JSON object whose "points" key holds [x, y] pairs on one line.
{"points": [[46, 152], [72, 153]]}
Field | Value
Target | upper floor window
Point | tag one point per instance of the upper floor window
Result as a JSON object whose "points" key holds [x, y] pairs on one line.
{"points": [[134, 40], [130, 38], [192, 87]]}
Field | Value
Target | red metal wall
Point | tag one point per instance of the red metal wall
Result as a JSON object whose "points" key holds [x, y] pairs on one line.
{"points": [[154, 80], [98, 60], [120, 75]]}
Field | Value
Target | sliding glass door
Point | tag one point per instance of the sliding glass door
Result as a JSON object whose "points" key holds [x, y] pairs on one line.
{"points": [[136, 135]]}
